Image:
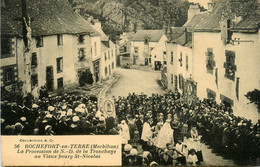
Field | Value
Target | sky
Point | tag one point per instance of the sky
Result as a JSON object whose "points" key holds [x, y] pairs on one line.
{"points": [[204, 3]]}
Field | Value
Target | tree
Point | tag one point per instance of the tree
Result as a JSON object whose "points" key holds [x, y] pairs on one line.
{"points": [[254, 97]]}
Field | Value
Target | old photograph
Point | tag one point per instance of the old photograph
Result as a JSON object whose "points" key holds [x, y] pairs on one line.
{"points": [[176, 80]]}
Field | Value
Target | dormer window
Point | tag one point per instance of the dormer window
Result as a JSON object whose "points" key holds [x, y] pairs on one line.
{"points": [[146, 41], [39, 41], [59, 40], [6, 46], [81, 39]]}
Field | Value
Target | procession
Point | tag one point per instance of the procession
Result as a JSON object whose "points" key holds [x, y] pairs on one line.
{"points": [[163, 128], [171, 79]]}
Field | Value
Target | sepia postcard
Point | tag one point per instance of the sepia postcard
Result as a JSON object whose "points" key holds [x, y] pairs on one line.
{"points": [[130, 83]]}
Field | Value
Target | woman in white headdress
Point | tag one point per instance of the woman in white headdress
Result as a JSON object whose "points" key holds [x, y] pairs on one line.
{"points": [[165, 135], [124, 131]]}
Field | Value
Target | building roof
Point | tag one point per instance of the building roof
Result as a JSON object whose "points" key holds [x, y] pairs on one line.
{"points": [[252, 22], [105, 45], [190, 24], [181, 36], [152, 35], [49, 18], [211, 21]]}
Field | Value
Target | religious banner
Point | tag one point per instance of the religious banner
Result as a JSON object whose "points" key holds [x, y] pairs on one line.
{"points": [[109, 109], [190, 91]]}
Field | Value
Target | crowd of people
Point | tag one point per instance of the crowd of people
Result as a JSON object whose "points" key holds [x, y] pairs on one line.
{"points": [[55, 115], [171, 132], [155, 130]]}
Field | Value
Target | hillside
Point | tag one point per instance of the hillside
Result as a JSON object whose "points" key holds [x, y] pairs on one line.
{"points": [[118, 16]]}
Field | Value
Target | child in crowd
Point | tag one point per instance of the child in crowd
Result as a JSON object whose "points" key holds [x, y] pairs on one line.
{"points": [[192, 158]]}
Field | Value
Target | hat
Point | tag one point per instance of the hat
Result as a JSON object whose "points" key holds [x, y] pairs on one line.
{"points": [[18, 124], [2, 120], [145, 154], [77, 109], [7, 127], [102, 119], [35, 106], [64, 107], [49, 116], [50, 108], [75, 119], [12, 127], [82, 106], [133, 151], [127, 147], [69, 112], [47, 127], [73, 125], [23, 119]]}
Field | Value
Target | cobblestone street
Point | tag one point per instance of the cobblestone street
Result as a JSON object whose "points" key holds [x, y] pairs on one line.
{"points": [[132, 80]]}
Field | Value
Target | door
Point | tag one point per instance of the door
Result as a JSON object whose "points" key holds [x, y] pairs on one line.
{"points": [[96, 70], [49, 78]]}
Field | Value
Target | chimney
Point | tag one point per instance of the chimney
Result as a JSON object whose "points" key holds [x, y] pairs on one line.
{"points": [[96, 23], [193, 10], [211, 5]]}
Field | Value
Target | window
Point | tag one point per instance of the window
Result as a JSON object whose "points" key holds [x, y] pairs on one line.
{"points": [[181, 81], [34, 60], [8, 75], [6, 46], [180, 60], [59, 64], [34, 80], [105, 56], [164, 52], [226, 101], [146, 41], [136, 49], [171, 57], [113, 65], [39, 42], [187, 62], [59, 40], [211, 94], [172, 79], [82, 54], [105, 70], [229, 65], [176, 81], [60, 83], [108, 54], [81, 39], [109, 70], [210, 62], [95, 45]]}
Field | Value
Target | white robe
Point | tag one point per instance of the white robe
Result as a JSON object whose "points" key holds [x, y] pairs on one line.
{"points": [[147, 133], [165, 136], [125, 133]]}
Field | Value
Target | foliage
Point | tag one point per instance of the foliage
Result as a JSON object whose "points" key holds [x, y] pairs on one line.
{"points": [[85, 78], [11, 96], [119, 16], [254, 97]]}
